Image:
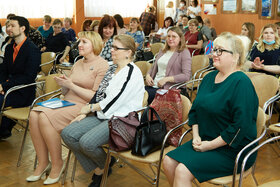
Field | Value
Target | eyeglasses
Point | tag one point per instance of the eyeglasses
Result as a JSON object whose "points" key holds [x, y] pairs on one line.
{"points": [[220, 51], [118, 48]]}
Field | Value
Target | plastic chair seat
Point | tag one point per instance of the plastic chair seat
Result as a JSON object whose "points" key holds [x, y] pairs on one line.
{"points": [[17, 113], [151, 158], [271, 184], [228, 179], [274, 128]]}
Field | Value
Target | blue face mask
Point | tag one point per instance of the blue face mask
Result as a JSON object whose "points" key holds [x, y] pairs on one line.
{"points": [[269, 43]]}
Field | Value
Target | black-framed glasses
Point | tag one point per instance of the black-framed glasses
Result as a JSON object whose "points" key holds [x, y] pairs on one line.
{"points": [[220, 51], [118, 48]]}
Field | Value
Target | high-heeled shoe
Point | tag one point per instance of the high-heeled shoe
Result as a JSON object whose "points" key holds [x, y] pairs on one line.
{"points": [[34, 178], [52, 181]]}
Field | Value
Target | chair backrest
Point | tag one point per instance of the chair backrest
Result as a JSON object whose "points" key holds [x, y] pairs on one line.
{"points": [[199, 62], [261, 119], [145, 99], [155, 47], [265, 85], [186, 107], [144, 66], [47, 61], [51, 84]]}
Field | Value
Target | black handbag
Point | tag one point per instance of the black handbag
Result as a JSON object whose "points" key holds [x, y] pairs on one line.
{"points": [[149, 134]]}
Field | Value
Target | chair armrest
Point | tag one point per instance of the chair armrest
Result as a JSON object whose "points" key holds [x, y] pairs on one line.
{"points": [[189, 82], [242, 151], [183, 135], [42, 96], [46, 63], [17, 88], [195, 74]]}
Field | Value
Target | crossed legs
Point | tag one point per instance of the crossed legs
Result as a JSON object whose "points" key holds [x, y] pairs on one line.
{"points": [[177, 173], [45, 139]]}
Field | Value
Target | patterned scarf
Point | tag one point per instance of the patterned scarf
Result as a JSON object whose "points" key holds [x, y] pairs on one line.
{"points": [[100, 94]]}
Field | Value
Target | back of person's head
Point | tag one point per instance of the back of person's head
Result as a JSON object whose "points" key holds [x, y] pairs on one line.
{"points": [[170, 4], [207, 21], [127, 42], [139, 28], [231, 41], [23, 22], [57, 21], [86, 23], [94, 23], [47, 19], [107, 21], [180, 33], [95, 38], [246, 42], [193, 21], [195, 2], [199, 19], [68, 20], [171, 21], [152, 9], [10, 15], [261, 44], [119, 20]]}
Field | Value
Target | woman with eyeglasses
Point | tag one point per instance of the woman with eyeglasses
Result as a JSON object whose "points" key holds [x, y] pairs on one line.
{"points": [[120, 92], [194, 38], [265, 56], [172, 64], [223, 120]]}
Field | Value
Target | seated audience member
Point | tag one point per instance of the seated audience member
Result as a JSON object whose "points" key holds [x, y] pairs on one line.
{"points": [[68, 31], [4, 28], [148, 20], [182, 10], [169, 10], [248, 29], [120, 92], [46, 29], [46, 124], [94, 25], [212, 151], [2, 35], [120, 24], [8, 38], [36, 37], [136, 32], [86, 25], [194, 10], [57, 41], [184, 27], [172, 64], [168, 22], [278, 27], [107, 29], [194, 38], [265, 56], [20, 66], [205, 31], [207, 22]]}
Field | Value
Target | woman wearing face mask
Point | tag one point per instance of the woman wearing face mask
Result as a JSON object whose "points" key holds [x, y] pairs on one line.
{"points": [[265, 56], [194, 10], [182, 10]]}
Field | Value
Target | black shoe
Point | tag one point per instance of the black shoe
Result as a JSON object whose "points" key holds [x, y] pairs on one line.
{"points": [[5, 134], [96, 179]]}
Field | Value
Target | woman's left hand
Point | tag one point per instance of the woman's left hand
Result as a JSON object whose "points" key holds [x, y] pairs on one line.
{"points": [[162, 82], [64, 81], [258, 64], [79, 118], [85, 109], [204, 146]]}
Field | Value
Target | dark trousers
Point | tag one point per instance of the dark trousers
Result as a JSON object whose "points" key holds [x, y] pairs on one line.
{"points": [[152, 93], [6, 124]]}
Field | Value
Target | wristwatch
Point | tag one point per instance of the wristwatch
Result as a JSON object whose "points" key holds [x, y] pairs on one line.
{"points": [[91, 107]]}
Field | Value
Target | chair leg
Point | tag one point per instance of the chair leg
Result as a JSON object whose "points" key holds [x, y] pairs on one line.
{"points": [[22, 144], [106, 169], [66, 168], [74, 170]]}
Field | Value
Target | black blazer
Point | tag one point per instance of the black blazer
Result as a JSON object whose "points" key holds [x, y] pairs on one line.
{"points": [[23, 71]]}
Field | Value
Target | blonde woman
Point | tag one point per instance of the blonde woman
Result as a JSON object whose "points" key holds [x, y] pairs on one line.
{"points": [[46, 124], [169, 10], [136, 32], [265, 57]]}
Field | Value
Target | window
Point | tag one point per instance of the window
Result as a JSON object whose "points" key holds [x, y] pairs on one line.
{"points": [[126, 8], [37, 8]]}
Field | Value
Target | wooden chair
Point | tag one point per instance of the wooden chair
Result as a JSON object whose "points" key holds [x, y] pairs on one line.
{"points": [[153, 159], [275, 183], [156, 47], [21, 115]]}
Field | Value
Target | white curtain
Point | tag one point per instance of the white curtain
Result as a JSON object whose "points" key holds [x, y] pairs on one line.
{"points": [[126, 8], [37, 8]]}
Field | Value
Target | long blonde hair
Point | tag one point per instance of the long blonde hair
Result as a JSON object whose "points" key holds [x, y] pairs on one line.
{"points": [[261, 45]]}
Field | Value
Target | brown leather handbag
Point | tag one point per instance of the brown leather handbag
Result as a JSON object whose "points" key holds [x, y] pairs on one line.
{"points": [[122, 131]]}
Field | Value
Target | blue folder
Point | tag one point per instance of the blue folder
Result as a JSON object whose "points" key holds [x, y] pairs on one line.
{"points": [[55, 103]]}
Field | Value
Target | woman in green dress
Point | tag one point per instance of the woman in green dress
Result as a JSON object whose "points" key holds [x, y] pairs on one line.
{"points": [[223, 119]]}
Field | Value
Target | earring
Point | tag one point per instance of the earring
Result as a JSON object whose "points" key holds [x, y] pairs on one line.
{"points": [[126, 57]]}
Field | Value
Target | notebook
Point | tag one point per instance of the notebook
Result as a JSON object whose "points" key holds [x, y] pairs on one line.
{"points": [[55, 103]]}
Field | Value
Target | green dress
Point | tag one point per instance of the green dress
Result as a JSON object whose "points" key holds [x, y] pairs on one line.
{"points": [[228, 109]]}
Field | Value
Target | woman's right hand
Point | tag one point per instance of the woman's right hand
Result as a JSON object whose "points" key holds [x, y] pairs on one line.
{"points": [[149, 80], [79, 118], [196, 141]]}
